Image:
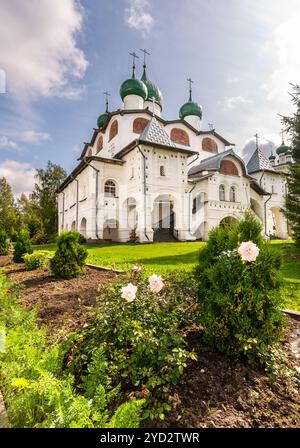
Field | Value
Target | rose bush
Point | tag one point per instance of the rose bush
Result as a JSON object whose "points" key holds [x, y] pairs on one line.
{"points": [[139, 331]]}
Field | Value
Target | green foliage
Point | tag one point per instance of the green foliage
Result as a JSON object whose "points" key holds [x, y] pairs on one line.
{"points": [[22, 246], [227, 237], [70, 256], [293, 181], [37, 392], [4, 244], [137, 344], [37, 259], [240, 300], [44, 198], [8, 217]]}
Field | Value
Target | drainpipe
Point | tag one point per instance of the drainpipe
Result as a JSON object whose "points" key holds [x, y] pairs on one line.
{"points": [[145, 190], [63, 213], [96, 194], [265, 208], [77, 192], [190, 207]]}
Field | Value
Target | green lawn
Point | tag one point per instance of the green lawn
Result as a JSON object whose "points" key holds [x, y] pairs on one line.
{"points": [[160, 258]]}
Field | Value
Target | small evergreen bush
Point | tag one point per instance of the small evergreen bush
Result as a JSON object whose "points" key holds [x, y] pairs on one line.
{"points": [[227, 237], [240, 298], [37, 259], [22, 246], [69, 259], [4, 244]]}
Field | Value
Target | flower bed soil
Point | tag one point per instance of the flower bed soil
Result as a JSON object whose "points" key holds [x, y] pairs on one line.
{"points": [[63, 304], [214, 391], [217, 392]]}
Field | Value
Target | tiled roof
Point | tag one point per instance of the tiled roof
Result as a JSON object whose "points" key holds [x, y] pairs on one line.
{"points": [[258, 162], [213, 163], [155, 133]]}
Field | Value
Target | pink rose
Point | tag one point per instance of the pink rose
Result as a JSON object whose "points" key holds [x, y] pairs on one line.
{"points": [[248, 251], [129, 292], [137, 268], [155, 283]]}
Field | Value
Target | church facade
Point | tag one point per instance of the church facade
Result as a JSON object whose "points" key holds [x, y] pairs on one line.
{"points": [[146, 178]]}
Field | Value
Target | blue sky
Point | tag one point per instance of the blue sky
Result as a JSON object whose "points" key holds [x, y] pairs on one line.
{"points": [[60, 56]]}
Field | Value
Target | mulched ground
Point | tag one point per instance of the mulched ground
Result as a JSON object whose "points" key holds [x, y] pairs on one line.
{"points": [[63, 304], [214, 392], [217, 392]]}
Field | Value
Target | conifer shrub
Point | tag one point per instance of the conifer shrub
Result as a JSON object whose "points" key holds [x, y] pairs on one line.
{"points": [[69, 259], [22, 246], [240, 293], [37, 259], [4, 244]]}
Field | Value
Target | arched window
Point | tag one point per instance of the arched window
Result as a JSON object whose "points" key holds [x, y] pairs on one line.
{"points": [[180, 136], [232, 194], [99, 144], [221, 193], [162, 170], [89, 152], [110, 189], [228, 167], [208, 144], [139, 125], [113, 130]]}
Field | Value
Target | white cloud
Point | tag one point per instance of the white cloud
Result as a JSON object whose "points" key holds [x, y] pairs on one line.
{"points": [[38, 47], [137, 17], [284, 46], [267, 143], [34, 137], [231, 79], [233, 102], [7, 143], [20, 176]]}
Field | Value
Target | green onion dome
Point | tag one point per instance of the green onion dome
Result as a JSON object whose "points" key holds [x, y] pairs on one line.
{"points": [[190, 108], [102, 119], [272, 157], [283, 149], [153, 91], [133, 86]]}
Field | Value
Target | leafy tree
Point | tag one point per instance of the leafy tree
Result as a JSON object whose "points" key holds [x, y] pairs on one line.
{"points": [[28, 216], [293, 198], [44, 197], [8, 217]]}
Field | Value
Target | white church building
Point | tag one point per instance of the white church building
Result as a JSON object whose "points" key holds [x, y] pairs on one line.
{"points": [[141, 176]]}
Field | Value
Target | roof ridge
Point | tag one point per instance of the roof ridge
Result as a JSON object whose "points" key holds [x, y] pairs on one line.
{"points": [[155, 133]]}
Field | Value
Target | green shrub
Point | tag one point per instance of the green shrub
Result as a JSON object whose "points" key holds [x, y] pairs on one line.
{"points": [[227, 237], [4, 244], [22, 246], [70, 256], [240, 299], [39, 238], [137, 344], [37, 392], [37, 259]]}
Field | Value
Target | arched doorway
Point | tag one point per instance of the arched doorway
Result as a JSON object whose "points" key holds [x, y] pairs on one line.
{"points": [[229, 221], [83, 227], [110, 230], [163, 218], [277, 223]]}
